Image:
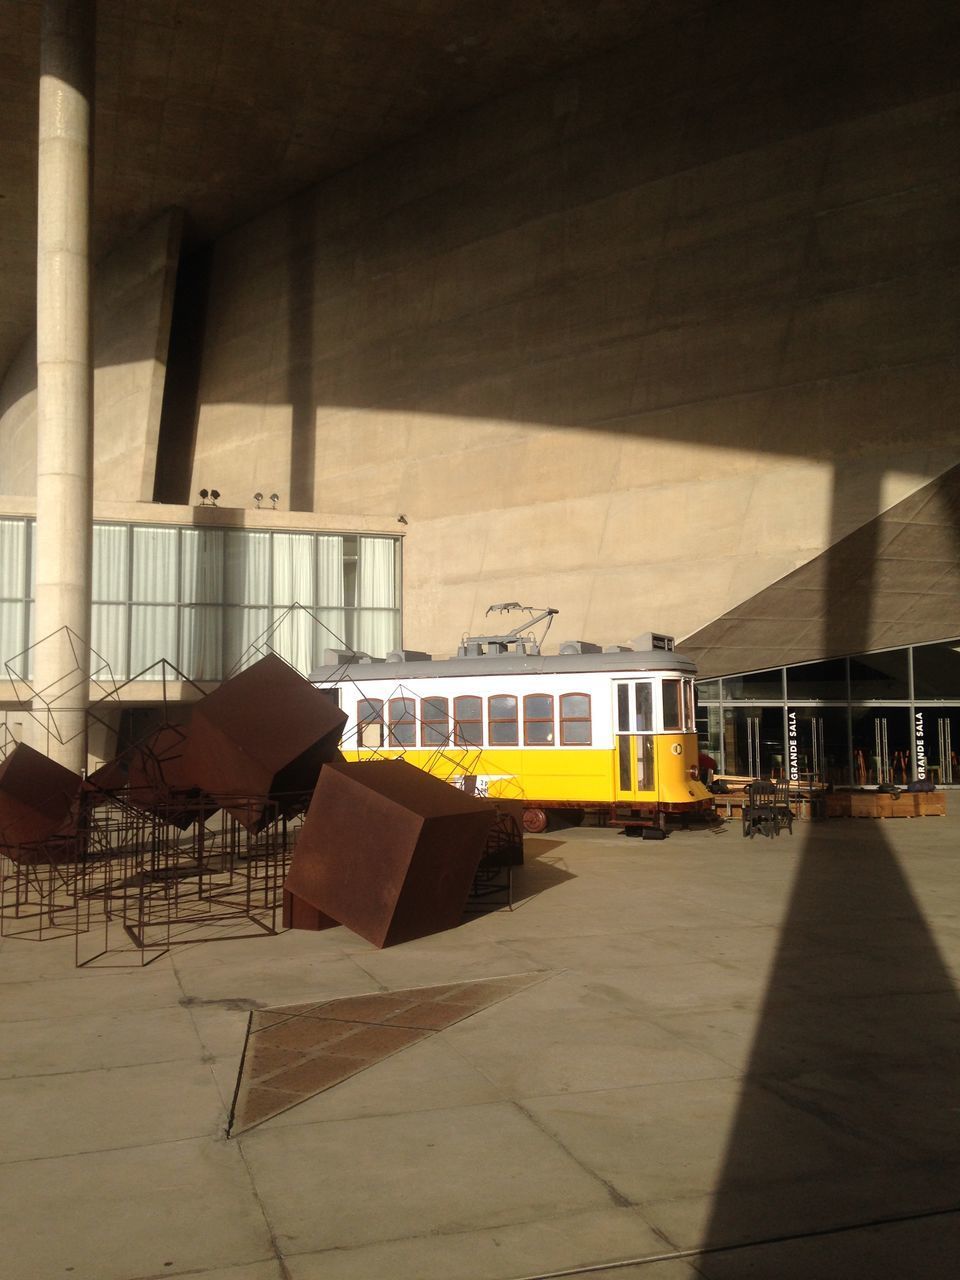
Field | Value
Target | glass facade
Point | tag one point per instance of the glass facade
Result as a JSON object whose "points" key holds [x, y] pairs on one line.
{"points": [[202, 598], [872, 718]]}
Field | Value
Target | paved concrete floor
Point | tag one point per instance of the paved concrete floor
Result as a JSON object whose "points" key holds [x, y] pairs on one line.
{"points": [[743, 1061]]}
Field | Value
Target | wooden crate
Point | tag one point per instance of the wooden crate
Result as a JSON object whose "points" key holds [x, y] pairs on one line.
{"points": [[903, 806], [837, 804], [871, 804], [931, 804]]}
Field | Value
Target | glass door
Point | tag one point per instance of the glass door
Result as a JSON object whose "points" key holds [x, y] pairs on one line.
{"points": [[936, 732], [635, 763], [881, 745], [753, 742], [818, 745]]}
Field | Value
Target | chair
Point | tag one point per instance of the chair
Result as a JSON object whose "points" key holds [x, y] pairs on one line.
{"points": [[783, 814], [759, 812]]}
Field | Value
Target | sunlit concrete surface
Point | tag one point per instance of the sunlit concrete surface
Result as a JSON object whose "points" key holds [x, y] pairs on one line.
{"points": [[743, 1060]]}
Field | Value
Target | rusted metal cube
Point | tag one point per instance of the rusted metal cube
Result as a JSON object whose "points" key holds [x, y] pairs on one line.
{"points": [[159, 782], [388, 850], [260, 739], [38, 803], [298, 914]]}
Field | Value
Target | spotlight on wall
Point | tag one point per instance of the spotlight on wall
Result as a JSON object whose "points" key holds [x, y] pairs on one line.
{"points": [[214, 495], [274, 498], [258, 498], [401, 518], [204, 495]]}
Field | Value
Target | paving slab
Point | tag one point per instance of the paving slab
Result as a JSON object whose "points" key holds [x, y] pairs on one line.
{"points": [[343, 1183], [505, 1252], [575, 1034], [166, 1209], [927, 1247], [48, 1046], [85, 1111]]}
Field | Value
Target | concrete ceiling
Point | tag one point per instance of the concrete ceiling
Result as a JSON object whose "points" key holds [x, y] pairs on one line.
{"points": [[227, 106]]}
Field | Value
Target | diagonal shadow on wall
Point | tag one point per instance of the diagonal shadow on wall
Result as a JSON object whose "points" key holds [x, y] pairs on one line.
{"points": [[850, 1104]]}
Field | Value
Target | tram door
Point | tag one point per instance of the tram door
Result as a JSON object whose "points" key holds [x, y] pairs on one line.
{"points": [[635, 756]]}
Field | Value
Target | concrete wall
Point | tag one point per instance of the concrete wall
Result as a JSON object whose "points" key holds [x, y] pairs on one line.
{"points": [[133, 297], [635, 342]]}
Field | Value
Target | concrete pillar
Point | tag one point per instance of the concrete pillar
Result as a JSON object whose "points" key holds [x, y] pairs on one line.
{"points": [[64, 372]]}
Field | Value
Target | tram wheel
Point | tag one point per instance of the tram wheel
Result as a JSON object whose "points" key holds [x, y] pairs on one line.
{"points": [[534, 821]]}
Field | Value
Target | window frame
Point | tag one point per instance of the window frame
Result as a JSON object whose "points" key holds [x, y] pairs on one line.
{"points": [[427, 722], [566, 719], [492, 720], [458, 721], [551, 720], [677, 683], [364, 722], [403, 719]]}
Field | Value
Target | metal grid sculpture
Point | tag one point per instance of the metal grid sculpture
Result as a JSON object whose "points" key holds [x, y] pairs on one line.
{"points": [[145, 853]]}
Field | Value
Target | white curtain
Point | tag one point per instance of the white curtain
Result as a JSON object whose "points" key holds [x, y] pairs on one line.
{"points": [[376, 630], [108, 639], [246, 582], [332, 631], [108, 628], [201, 639], [293, 584], [13, 547], [247, 576], [377, 579], [244, 628], [201, 556], [330, 570], [155, 565], [153, 635], [153, 629], [11, 634], [201, 620], [110, 542], [13, 550]]}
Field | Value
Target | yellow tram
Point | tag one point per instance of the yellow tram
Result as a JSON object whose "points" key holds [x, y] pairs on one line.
{"points": [[582, 730]]}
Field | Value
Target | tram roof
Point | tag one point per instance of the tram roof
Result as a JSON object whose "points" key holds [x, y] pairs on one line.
{"points": [[506, 664]]}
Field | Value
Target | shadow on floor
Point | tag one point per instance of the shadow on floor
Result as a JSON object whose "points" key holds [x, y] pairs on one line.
{"points": [[850, 1111]]}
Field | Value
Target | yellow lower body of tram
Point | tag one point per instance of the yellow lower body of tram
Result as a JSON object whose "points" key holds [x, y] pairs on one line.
{"points": [[644, 775]]}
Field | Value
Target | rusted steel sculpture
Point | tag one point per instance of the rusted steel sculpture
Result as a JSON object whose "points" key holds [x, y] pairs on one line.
{"points": [[264, 733], [388, 851], [158, 779], [38, 807]]}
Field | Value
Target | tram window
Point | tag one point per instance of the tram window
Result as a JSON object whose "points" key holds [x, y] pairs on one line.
{"points": [[623, 708], [403, 722], [502, 720], [538, 720], [434, 722], [645, 765], [690, 716], [370, 722], [643, 698], [575, 719], [623, 758], [468, 721], [671, 705]]}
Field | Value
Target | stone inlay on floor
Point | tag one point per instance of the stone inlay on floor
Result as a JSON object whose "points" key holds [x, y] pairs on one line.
{"points": [[297, 1050]]}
